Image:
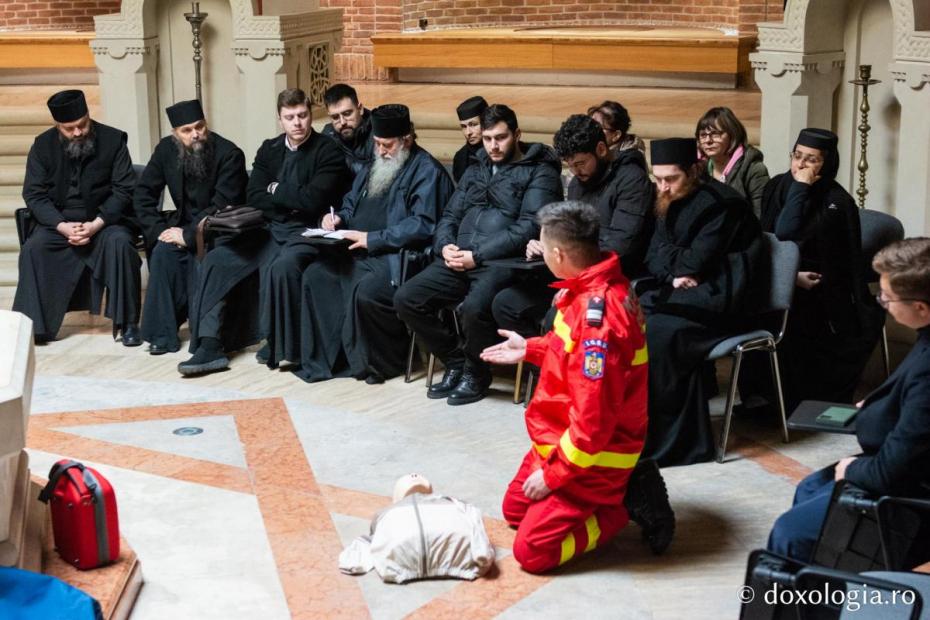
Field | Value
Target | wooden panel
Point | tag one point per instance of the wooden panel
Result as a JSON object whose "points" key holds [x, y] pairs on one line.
{"points": [[468, 54], [688, 52], [37, 51]]}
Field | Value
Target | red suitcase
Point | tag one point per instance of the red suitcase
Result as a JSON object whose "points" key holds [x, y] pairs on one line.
{"points": [[84, 518]]}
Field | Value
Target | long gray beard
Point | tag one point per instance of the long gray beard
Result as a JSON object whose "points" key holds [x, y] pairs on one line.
{"points": [[384, 171], [81, 148], [194, 162]]}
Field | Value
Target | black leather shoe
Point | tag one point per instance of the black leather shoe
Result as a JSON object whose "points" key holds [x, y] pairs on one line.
{"points": [[132, 337], [204, 361], [450, 379], [471, 389], [161, 349], [646, 501], [374, 379]]}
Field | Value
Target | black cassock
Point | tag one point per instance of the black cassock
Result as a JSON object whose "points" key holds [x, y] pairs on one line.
{"points": [[463, 158], [54, 276], [834, 327], [348, 323], [310, 180], [174, 271], [714, 236]]}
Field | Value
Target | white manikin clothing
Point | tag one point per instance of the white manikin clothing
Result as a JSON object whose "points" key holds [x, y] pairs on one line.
{"points": [[419, 537]]}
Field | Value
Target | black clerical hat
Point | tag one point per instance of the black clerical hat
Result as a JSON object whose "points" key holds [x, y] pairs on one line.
{"points": [[185, 113], [390, 120], [819, 139], [471, 107], [677, 151], [67, 106]]}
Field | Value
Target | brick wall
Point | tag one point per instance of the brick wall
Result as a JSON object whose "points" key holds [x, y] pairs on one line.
{"points": [[53, 14]]}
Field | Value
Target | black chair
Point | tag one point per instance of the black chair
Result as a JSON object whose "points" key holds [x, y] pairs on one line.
{"points": [[878, 230], [862, 532], [779, 588], [411, 263], [785, 257]]}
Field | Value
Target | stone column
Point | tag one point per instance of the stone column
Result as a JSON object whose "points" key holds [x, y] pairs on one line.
{"points": [[17, 366], [912, 89], [128, 90], [263, 71], [797, 92]]}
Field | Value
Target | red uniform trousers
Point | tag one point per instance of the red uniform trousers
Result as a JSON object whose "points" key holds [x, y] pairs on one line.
{"points": [[557, 528]]}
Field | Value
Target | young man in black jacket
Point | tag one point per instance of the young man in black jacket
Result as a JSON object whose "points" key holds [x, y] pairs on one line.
{"points": [[78, 190], [349, 126], [491, 215], [893, 423], [617, 184]]}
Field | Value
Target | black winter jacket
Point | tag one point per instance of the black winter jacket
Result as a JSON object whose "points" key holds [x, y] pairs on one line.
{"points": [[494, 215]]}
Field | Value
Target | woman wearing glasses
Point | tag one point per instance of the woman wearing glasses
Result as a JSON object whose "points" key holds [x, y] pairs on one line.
{"points": [[834, 323], [723, 144], [893, 424]]}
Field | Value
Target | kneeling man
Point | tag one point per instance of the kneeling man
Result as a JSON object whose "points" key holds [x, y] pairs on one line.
{"points": [[577, 486]]}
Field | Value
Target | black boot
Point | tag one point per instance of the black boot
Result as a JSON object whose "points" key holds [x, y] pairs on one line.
{"points": [[209, 357], [647, 503], [450, 379], [472, 388], [132, 337]]}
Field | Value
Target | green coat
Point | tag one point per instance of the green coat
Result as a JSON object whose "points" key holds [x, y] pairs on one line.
{"points": [[749, 177]]}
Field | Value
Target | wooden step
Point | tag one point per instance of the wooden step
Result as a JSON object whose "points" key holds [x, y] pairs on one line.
{"points": [[12, 175], [15, 144], [10, 202], [9, 269]]}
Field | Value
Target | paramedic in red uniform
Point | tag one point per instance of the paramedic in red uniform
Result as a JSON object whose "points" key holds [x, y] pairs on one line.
{"points": [[587, 418]]}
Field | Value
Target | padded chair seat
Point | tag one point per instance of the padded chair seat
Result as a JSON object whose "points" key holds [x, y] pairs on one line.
{"points": [[899, 610], [726, 347]]}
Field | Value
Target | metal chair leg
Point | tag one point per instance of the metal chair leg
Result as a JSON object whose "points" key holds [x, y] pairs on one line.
{"points": [[411, 351], [530, 383], [517, 381], [430, 366], [885, 359], [773, 359], [728, 411]]}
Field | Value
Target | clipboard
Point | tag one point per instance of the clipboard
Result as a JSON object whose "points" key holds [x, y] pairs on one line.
{"points": [[824, 417], [517, 263]]}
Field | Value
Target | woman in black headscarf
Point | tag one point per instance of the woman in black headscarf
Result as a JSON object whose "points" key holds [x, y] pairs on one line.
{"points": [[834, 322]]}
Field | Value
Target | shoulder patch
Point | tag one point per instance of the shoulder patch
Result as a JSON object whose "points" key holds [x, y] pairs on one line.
{"points": [[593, 367], [594, 316]]}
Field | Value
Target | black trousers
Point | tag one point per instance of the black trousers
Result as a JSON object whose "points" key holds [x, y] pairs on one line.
{"points": [[523, 306], [50, 271], [172, 283], [348, 323], [281, 300], [419, 301]]}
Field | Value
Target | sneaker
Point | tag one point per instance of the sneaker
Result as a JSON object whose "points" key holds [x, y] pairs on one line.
{"points": [[646, 501]]}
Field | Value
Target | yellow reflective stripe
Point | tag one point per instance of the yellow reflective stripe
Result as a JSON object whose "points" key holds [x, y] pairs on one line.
{"points": [[568, 549], [543, 449], [563, 331], [594, 532], [641, 356], [616, 460]]}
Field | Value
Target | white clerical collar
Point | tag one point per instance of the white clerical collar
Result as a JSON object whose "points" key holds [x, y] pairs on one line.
{"points": [[294, 147]]}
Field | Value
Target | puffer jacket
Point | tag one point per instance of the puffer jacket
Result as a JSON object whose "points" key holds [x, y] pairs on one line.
{"points": [[494, 215]]}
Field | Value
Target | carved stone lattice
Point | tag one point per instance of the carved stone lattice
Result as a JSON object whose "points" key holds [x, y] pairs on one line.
{"points": [[319, 72]]}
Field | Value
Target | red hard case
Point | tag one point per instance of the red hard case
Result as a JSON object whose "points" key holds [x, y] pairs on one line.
{"points": [[84, 518]]}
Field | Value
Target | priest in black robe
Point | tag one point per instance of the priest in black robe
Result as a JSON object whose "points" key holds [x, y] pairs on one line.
{"points": [[706, 250], [78, 191], [297, 177], [203, 173], [469, 114], [349, 326], [349, 126]]}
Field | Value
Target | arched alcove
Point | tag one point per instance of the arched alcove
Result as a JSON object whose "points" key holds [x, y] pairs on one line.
{"points": [[144, 58], [803, 67]]}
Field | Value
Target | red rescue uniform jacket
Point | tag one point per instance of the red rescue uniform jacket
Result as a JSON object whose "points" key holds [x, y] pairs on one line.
{"points": [[587, 419]]}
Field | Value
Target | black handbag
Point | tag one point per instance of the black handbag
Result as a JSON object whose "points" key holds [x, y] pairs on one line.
{"points": [[234, 220]]}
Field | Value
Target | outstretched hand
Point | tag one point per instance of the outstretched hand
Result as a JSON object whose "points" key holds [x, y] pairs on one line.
{"points": [[511, 351]]}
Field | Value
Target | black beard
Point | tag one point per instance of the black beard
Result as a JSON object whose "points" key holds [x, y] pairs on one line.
{"points": [[79, 148], [195, 162], [596, 177]]}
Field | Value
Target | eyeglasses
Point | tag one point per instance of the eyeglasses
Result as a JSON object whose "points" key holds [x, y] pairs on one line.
{"points": [[810, 160], [711, 135], [884, 301]]}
